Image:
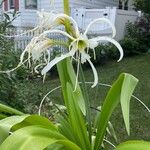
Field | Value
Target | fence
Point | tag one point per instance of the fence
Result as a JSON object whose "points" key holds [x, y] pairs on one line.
{"points": [[85, 16], [22, 37]]}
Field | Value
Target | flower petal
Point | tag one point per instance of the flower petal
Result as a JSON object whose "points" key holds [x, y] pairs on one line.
{"points": [[101, 20], [93, 43], [104, 38], [55, 61], [87, 57], [57, 31]]}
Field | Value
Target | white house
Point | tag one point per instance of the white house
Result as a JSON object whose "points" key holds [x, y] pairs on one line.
{"points": [[28, 8]]}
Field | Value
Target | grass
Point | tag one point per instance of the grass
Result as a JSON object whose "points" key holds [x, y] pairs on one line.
{"points": [[31, 92]]}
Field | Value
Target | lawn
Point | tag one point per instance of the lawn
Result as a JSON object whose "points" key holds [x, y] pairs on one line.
{"points": [[30, 93]]}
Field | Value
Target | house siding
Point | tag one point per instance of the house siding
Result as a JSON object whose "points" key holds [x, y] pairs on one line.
{"points": [[29, 17], [93, 3]]}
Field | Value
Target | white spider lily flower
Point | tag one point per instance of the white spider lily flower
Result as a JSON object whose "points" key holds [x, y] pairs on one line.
{"points": [[36, 48], [80, 46]]}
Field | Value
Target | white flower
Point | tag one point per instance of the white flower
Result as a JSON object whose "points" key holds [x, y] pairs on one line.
{"points": [[36, 48], [78, 49], [80, 46]]}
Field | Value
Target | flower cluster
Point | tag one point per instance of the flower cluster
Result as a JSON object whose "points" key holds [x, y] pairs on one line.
{"points": [[78, 49]]}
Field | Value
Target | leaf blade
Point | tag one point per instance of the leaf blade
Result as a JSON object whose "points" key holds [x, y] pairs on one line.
{"points": [[134, 145], [35, 137], [112, 100]]}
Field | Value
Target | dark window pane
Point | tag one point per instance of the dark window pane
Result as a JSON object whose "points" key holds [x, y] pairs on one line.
{"points": [[12, 4], [31, 4]]}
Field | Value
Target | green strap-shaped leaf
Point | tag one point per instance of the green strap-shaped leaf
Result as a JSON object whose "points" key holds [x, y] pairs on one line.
{"points": [[128, 87], [121, 91], [17, 122], [35, 138], [76, 120], [7, 123], [65, 128], [3, 134], [8, 111], [35, 120], [134, 145], [2, 116], [67, 75]]}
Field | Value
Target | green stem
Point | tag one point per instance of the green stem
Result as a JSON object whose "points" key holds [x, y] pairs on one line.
{"points": [[66, 7], [67, 12]]}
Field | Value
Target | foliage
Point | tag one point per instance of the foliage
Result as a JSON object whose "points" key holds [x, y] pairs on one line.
{"points": [[72, 127], [130, 46], [142, 5], [9, 59], [134, 145], [137, 38], [29, 93]]}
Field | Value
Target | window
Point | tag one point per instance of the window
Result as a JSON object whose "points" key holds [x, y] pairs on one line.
{"points": [[11, 4], [30, 4]]}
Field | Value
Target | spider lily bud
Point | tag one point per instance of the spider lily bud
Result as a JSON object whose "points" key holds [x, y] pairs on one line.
{"points": [[48, 20]]}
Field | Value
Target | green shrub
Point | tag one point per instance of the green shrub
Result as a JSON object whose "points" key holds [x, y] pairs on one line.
{"points": [[137, 38], [8, 59], [130, 46]]}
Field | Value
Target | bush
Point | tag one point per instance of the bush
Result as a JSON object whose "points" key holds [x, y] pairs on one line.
{"points": [[8, 59], [137, 38], [142, 5], [130, 46]]}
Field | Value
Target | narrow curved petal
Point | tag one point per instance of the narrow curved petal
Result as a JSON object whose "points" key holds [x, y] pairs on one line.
{"points": [[101, 20], [55, 61], [104, 38], [57, 31], [36, 67], [87, 57]]}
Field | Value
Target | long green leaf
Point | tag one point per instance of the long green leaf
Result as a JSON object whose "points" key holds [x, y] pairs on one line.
{"points": [[76, 120], [3, 134], [7, 123], [134, 145], [67, 75], [120, 91], [65, 128], [16, 122], [8, 111], [35, 120], [35, 138], [128, 87], [2, 116]]}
